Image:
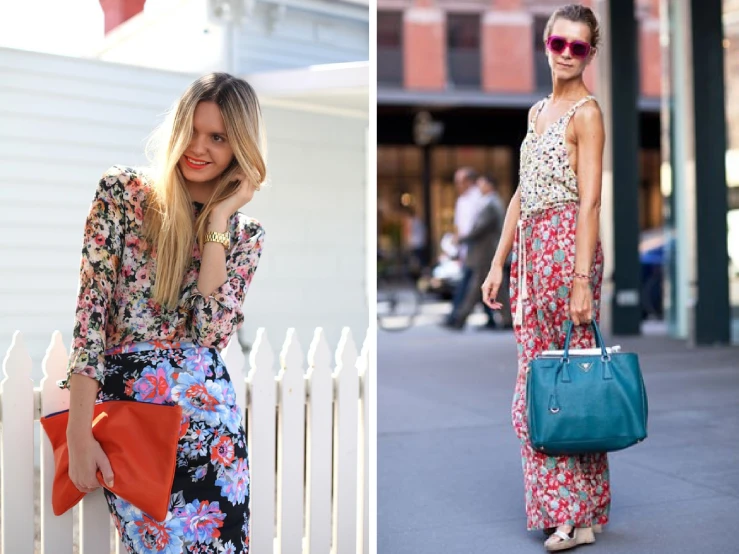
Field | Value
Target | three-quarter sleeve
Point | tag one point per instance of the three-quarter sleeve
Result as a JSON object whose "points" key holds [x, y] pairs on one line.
{"points": [[102, 249], [215, 318]]}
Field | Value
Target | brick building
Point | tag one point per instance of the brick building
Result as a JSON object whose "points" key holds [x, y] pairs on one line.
{"points": [[477, 66]]}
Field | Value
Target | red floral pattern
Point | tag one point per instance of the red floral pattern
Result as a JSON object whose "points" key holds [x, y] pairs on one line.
{"points": [[563, 490]]}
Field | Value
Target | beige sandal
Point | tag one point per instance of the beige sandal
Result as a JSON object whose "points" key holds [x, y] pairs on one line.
{"points": [[564, 541], [549, 531]]}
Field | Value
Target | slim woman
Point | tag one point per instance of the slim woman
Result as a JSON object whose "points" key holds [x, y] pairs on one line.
{"points": [[552, 226], [166, 262]]}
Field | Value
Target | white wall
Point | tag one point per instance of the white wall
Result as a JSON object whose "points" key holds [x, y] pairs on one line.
{"points": [[313, 270], [184, 35], [298, 39], [172, 35], [63, 121]]}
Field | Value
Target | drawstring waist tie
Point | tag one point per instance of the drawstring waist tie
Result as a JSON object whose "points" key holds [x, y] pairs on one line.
{"points": [[523, 291]]}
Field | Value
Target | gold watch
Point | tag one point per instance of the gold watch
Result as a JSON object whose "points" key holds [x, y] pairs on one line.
{"points": [[223, 239]]}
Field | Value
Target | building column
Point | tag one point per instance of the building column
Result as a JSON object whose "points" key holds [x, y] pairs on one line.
{"points": [[624, 144], [603, 89], [668, 106], [426, 177], [424, 46], [682, 193], [507, 69], [712, 324], [592, 72]]}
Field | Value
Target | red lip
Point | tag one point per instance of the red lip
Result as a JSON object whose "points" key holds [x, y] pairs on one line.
{"points": [[193, 166]]}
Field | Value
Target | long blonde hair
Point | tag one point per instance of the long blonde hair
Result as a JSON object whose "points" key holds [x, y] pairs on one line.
{"points": [[169, 227]]}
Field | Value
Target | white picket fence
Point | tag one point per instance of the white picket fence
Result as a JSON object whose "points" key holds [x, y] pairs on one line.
{"points": [[311, 427]]}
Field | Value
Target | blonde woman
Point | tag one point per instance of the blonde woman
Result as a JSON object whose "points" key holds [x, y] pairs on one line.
{"points": [[557, 269], [166, 262]]}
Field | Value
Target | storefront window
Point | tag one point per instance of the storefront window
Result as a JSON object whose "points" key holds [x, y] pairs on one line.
{"points": [[390, 48], [400, 184], [463, 50]]}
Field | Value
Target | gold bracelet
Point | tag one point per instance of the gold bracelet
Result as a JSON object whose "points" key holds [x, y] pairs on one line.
{"points": [[224, 239]]}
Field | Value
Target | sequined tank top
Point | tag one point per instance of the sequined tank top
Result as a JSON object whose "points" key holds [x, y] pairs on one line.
{"points": [[547, 180]]}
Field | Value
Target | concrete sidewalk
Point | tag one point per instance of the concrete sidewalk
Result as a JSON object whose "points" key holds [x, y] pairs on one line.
{"points": [[449, 472]]}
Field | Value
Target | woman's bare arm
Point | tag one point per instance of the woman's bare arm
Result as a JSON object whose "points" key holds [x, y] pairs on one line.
{"points": [[590, 133]]}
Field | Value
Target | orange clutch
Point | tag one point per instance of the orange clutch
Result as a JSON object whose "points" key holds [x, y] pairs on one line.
{"points": [[140, 440]]}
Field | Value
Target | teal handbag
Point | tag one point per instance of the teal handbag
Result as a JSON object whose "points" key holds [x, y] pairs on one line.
{"points": [[580, 402]]}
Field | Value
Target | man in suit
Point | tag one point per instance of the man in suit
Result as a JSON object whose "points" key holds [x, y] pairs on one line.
{"points": [[466, 209], [481, 241]]}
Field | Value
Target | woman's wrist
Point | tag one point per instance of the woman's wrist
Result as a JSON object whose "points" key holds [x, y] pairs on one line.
{"points": [[79, 431], [217, 222]]}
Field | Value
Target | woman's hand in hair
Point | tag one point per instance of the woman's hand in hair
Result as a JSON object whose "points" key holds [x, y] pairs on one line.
{"points": [[245, 190]]}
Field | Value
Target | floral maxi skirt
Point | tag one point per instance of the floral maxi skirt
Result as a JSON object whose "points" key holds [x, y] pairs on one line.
{"points": [[209, 504], [561, 490]]}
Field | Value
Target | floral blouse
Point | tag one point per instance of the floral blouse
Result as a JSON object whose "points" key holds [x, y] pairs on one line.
{"points": [[115, 304]]}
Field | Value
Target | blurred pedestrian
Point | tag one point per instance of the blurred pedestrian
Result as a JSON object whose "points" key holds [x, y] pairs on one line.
{"points": [[481, 242], [557, 267], [414, 240], [466, 209]]}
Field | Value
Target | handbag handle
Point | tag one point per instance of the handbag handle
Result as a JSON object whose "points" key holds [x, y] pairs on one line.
{"points": [[563, 374], [599, 342]]}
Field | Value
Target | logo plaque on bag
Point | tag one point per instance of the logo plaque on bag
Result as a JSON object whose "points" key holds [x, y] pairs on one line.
{"points": [[585, 366]]}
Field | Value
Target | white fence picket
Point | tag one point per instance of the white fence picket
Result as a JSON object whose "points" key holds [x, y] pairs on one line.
{"points": [[261, 413], [16, 450], [291, 452], [346, 420], [57, 531], [322, 430], [234, 359], [365, 376], [318, 452], [94, 524]]}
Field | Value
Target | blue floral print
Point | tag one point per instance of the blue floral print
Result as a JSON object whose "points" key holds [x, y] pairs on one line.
{"points": [[209, 505]]}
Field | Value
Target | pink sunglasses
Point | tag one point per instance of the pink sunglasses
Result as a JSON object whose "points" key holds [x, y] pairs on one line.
{"points": [[578, 48]]}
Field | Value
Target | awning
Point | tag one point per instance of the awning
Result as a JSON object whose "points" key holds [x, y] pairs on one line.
{"points": [[395, 96]]}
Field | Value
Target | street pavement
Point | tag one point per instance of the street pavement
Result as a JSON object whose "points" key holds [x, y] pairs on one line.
{"points": [[448, 467]]}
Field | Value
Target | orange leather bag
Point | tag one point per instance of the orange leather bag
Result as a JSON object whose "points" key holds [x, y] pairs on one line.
{"points": [[140, 441]]}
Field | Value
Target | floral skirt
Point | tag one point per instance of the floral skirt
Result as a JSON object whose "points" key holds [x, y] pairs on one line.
{"points": [[209, 504], [561, 490]]}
